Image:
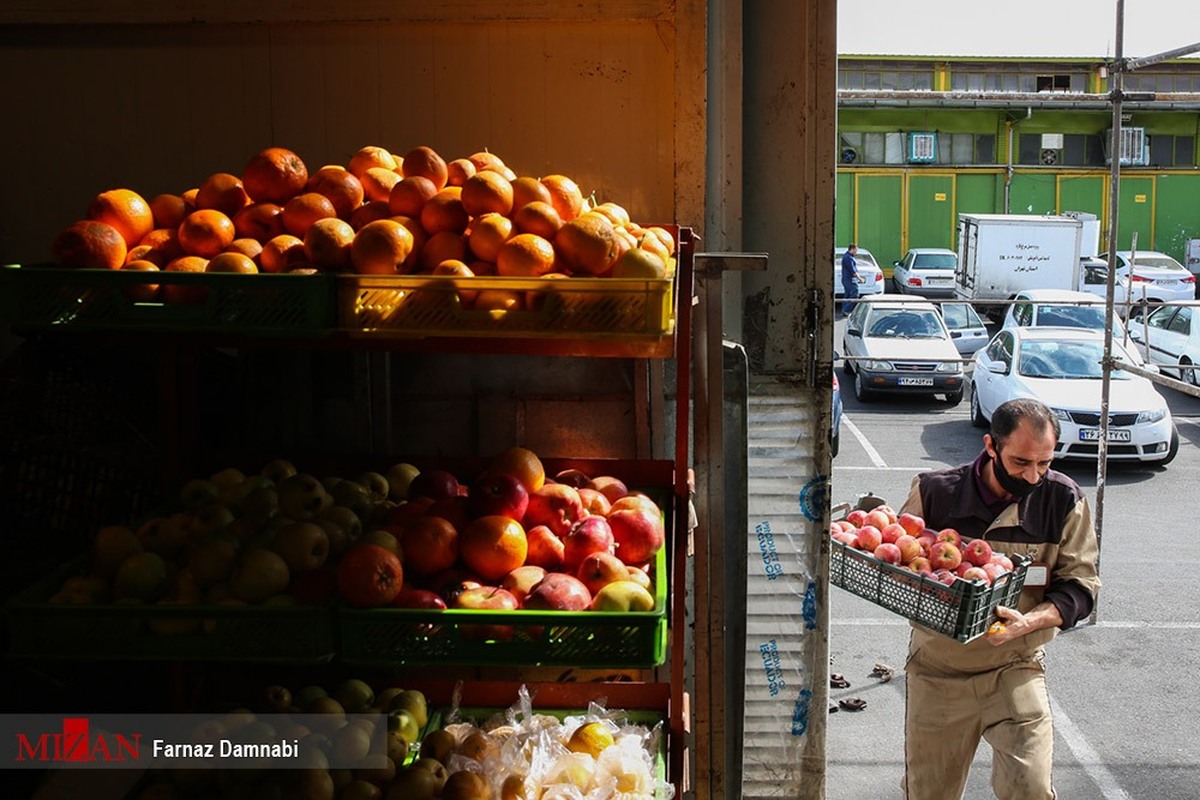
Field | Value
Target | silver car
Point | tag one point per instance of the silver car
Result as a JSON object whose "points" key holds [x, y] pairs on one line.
{"points": [[926, 271], [1154, 276]]}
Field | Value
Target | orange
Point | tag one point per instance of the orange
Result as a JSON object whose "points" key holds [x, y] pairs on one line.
{"points": [[665, 237], [231, 262], [224, 192], [525, 255], [486, 160], [444, 212], [440, 247], [527, 190], [425, 161], [280, 253], [141, 292], [259, 221], [145, 252], [497, 300], [169, 210], [380, 248], [481, 267], [588, 244], [327, 243], [274, 175], [185, 294], [488, 232], [341, 186], [369, 157], [189, 199], [88, 244], [537, 217], [205, 232], [420, 237], [648, 241], [369, 212], [565, 195], [165, 241], [429, 544], [523, 464], [534, 300], [251, 248], [616, 214], [409, 196], [487, 191], [377, 183], [303, 210], [492, 546], [125, 210], [458, 170]]}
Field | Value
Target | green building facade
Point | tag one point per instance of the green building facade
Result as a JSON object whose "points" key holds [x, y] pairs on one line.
{"points": [[924, 140]]}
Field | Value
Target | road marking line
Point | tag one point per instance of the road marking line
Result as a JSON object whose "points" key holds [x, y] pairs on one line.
{"points": [[876, 459], [888, 622], [1086, 755], [881, 466]]}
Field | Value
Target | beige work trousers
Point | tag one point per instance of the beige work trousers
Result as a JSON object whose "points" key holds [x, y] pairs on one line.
{"points": [[948, 711]]}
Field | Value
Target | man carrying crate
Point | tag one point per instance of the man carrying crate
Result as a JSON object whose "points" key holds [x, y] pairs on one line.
{"points": [[994, 687]]}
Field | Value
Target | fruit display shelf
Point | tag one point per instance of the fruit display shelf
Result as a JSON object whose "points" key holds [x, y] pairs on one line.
{"points": [[389, 637], [961, 610], [41, 629], [47, 297]]}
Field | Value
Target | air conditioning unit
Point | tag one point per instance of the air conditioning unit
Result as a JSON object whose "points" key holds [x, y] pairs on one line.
{"points": [[922, 148], [1134, 148]]}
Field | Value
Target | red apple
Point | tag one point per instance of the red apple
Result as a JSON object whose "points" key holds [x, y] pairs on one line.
{"points": [[962, 567], [487, 598], [555, 505], [572, 477], [521, 580], [950, 535], [848, 538], [857, 518], [944, 555], [888, 553], [926, 541], [594, 502], [638, 533], [450, 583], [878, 518], [868, 538], [559, 592], [921, 566], [1003, 560], [600, 568], [910, 548], [434, 484], [545, 549], [498, 493], [913, 525], [945, 576], [612, 488], [993, 571], [977, 551], [418, 598], [589, 535], [976, 574], [845, 525], [890, 533]]}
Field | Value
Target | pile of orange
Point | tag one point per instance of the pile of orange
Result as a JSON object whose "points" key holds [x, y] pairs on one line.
{"points": [[381, 214]]}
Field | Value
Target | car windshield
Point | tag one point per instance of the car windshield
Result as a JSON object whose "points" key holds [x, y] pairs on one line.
{"points": [[935, 261], [1159, 262], [959, 316], [1050, 359], [1084, 316], [902, 324]]}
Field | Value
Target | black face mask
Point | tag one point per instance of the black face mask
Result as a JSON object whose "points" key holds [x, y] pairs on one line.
{"points": [[1015, 486]]}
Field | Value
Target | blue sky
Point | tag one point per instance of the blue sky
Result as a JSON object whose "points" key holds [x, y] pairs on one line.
{"points": [[1023, 28]]}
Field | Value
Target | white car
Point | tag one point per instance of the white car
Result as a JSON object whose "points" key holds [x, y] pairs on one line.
{"points": [[1153, 276], [1062, 368], [926, 271], [870, 276], [900, 344], [1063, 308], [1170, 335], [967, 329]]}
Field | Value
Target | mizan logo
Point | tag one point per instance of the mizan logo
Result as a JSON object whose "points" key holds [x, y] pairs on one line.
{"points": [[76, 743]]}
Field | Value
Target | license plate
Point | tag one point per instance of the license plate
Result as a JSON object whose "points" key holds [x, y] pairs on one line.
{"points": [[915, 382], [1172, 284], [1093, 435], [938, 281]]}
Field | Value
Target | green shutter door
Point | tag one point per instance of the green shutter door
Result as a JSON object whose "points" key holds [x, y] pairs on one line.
{"points": [[976, 193], [1136, 213], [878, 202], [1032, 193], [1176, 214], [843, 220], [1082, 193], [931, 211]]}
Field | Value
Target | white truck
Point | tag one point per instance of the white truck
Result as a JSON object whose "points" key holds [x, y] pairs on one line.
{"points": [[1002, 254]]}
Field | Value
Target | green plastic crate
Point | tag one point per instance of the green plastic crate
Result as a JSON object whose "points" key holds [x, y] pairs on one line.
{"points": [[390, 637], [49, 297]]}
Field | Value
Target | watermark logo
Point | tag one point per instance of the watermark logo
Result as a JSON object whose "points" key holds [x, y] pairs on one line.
{"points": [[76, 743]]}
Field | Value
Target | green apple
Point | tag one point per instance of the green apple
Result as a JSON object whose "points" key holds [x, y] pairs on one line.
{"points": [[413, 702], [399, 476], [623, 596], [405, 724], [355, 695]]}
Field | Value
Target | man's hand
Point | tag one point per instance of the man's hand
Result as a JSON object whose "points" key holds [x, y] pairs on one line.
{"points": [[1013, 624]]}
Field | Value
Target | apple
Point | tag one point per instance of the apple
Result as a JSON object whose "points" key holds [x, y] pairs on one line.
{"points": [[612, 488], [857, 518], [976, 574], [878, 518], [302, 497], [211, 558], [993, 571], [498, 493], [464, 785], [594, 502], [521, 580], [486, 598], [889, 511], [572, 477], [558, 592], [913, 525], [454, 510], [945, 576], [434, 484], [399, 477], [910, 548], [949, 535], [640, 577], [944, 555], [589, 535], [167, 535], [868, 538], [352, 495], [1003, 561], [375, 484], [303, 545], [450, 583], [414, 783], [926, 541], [891, 532], [921, 566], [623, 596], [844, 525], [260, 573], [211, 519], [977, 551], [600, 568], [276, 471], [848, 538], [962, 567], [555, 505], [888, 553], [637, 532], [429, 544], [545, 549], [418, 598], [381, 538], [112, 545]]}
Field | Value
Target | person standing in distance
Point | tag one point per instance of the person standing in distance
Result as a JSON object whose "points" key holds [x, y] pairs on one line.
{"points": [[849, 279], [994, 687]]}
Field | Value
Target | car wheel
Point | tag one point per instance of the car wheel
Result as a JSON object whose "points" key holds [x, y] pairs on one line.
{"points": [[835, 442], [1191, 376], [847, 364], [861, 391], [1172, 448], [954, 398], [977, 418]]}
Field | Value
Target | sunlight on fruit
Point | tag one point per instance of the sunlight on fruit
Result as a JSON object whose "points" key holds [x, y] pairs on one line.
{"points": [[591, 738]]}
